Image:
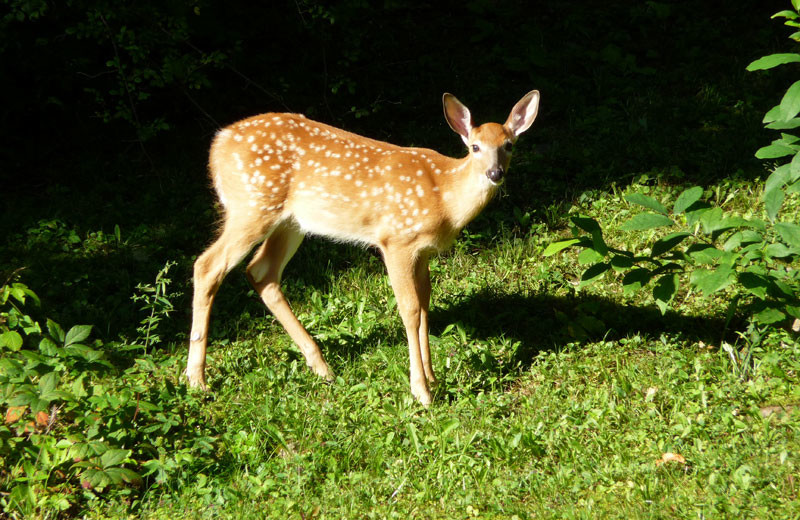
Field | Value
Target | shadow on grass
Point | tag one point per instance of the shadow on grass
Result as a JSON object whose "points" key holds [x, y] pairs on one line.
{"points": [[545, 323], [540, 323]]}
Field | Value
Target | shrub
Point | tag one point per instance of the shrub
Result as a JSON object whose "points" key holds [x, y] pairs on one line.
{"points": [[711, 249], [84, 418]]}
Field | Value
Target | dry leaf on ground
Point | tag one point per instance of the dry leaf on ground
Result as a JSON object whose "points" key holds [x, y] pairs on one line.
{"points": [[670, 457]]}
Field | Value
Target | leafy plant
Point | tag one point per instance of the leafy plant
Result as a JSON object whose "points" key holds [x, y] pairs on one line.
{"points": [[708, 248], [77, 424], [157, 302]]}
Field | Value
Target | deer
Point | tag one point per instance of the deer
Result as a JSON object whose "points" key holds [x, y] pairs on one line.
{"points": [[281, 176]]}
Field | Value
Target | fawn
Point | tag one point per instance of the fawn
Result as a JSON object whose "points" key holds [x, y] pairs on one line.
{"points": [[281, 176]]}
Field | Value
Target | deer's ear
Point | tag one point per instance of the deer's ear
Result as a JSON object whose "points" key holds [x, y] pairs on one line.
{"points": [[457, 115], [524, 112]]}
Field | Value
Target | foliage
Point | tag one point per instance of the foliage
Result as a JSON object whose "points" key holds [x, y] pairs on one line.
{"points": [[81, 422], [158, 302], [710, 248], [138, 51]]}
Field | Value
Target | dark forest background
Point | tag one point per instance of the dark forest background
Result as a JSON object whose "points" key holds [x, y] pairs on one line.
{"points": [[108, 108]]}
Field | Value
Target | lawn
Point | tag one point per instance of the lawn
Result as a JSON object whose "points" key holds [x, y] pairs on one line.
{"points": [[554, 401]]}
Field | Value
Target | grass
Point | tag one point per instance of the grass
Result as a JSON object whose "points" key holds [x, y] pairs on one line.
{"points": [[575, 431], [552, 402]]}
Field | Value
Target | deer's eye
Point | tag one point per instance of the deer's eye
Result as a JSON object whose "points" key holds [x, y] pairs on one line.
{"points": [[508, 146], [476, 148]]}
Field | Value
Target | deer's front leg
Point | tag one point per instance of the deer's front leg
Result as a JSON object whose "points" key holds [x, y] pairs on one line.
{"points": [[402, 273]]}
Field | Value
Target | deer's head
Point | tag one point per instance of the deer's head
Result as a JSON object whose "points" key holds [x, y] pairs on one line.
{"points": [[490, 145]]}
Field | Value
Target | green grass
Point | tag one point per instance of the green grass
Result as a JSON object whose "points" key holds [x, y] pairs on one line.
{"points": [[553, 403]]}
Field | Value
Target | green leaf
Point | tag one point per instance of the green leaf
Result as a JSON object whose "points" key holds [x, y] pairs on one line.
{"points": [[773, 60], [773, 200], [664, 290], [589, 256], [644, 221], [277, 437], [794, 169], [97, 478], [635, 280], [621, 262], [594, 272], [23, 497], [710, 281], [790, 124], [585, 223], [791, 15], [755, 284], [49, 348], [450, 425], [772, 115], [787, 139], [769, 316], [775, 150], [666, 243], [48, 382], [704, 253], [686, 199], [749, 236], [87, 353], [729, 223], [120, 475], [77, 334], [647, 202], [114, 457], [790, 233], [555, 247], [11, 340], [787, 290], [778, 250], [55, 330], [780, 176], [790, 104], [733, 242], [695, 211], [713, 221], [599, 244]]}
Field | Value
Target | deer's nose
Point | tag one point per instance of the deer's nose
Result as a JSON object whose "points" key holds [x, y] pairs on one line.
{"points": [[496, 174]]}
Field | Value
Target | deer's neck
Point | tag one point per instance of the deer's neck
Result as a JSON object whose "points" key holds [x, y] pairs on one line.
{"points": [[463, 191]]}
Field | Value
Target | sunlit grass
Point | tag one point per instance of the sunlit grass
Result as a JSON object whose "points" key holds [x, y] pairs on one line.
{"points": [[552, 402]]}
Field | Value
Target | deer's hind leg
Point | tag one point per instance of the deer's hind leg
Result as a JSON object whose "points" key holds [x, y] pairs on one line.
{"points": [[236, 240], [264, 273], [423, 284]]}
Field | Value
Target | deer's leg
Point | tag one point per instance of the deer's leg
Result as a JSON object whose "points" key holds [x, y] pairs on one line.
{"points": [[264, 273], [209, 271], [402, 274], [423, 279]]}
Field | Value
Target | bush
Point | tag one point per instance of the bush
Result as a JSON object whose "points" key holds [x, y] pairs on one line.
{"points": [[709, 248], [83, 418]]}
